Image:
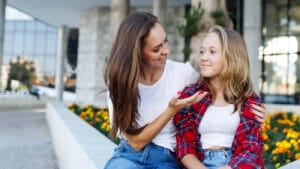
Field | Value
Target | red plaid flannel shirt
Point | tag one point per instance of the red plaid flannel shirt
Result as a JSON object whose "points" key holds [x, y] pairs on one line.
{"points": [[247, 144]]}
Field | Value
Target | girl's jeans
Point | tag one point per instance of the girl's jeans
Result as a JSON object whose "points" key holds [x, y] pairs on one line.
{"points": [[150, 157], [217, 158]]}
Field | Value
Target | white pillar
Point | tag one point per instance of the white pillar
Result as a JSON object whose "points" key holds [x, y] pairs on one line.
{"points": [[94, 48], [61, 55], [252, 36], [118, 12], [159, 10], [2, 26]]}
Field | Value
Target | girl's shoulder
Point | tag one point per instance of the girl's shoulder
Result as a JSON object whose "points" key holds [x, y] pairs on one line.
{"points": [[193, 88]]}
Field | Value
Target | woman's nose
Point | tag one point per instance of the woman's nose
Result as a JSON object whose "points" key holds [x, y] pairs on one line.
{"points": [[166, 49]]}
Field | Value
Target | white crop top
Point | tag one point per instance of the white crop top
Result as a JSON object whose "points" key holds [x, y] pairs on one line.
{"points": [[218, 126]]}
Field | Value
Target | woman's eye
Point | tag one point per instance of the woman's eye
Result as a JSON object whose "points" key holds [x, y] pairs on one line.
{"points": [[156, 50]]}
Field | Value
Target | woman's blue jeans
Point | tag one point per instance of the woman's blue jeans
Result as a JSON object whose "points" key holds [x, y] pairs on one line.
{"points": [[150, 157], [217, 158]]}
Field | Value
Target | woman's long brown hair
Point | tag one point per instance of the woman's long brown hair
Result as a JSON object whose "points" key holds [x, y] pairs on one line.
{"points": [[123, 69]]}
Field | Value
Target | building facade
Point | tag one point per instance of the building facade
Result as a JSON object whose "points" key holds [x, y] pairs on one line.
{"points": [[33, 39], [279, 53], [270, 29]]}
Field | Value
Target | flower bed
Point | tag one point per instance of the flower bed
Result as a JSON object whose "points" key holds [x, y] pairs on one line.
{"points": [[281, 133], [98, 118]]}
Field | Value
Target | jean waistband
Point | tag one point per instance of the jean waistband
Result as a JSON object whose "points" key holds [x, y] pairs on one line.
{"points": [[218, 150], [148, 146]]}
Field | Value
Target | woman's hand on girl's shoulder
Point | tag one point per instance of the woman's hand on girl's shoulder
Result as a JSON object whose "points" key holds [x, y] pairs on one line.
{"points": [[260, 112]]}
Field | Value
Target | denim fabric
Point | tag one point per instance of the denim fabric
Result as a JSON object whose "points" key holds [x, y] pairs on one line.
{"points": [[217, 158], [150, 157]]}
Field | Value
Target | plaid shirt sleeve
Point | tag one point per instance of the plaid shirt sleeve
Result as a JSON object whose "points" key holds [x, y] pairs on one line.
{"points": [[248, 143], [186, 136]]}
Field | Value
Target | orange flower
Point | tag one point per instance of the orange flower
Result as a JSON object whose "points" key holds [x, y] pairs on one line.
{"points": [[297, 156]]}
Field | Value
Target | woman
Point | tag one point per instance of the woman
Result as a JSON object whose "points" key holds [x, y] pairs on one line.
{"points": [[220, 131], [142, 83]]}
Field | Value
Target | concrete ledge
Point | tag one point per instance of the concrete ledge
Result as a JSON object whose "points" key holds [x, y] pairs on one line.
{"points": [[283, 107], [76, 143], [8, 102], [292, 165]]}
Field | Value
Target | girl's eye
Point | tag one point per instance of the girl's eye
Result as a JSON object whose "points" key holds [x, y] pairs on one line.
{"points": [[201, 51], [212, 52]]}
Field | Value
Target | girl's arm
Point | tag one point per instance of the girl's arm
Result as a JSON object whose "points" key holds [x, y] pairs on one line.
{"points": [[139, 141], [190, 161]]}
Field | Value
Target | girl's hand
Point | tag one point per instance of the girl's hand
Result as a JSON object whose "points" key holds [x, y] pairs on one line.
{"points": [[260, 112], [176, 103]]}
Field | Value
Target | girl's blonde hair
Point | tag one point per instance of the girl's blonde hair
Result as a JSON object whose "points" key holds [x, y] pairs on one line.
{"points": [[236, 70]]}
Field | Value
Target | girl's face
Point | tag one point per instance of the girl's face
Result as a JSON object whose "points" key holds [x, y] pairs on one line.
{"points": [[156, 50], [211, 59]]}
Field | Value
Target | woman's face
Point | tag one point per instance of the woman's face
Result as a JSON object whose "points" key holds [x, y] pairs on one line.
{"points": [[156, 50], [211, 60]]}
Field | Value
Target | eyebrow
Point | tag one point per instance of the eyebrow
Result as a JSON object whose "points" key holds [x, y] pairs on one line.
{"points": [[209, 47], [159, 45]]}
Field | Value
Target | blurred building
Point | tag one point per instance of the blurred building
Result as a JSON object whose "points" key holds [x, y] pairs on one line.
{"points": [[271, 29], [32, 38], [279, 52]]}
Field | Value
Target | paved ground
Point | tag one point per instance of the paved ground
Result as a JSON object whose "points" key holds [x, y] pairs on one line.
{"points": [[25, 141]]}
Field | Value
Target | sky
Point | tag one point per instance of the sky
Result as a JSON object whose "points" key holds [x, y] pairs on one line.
{"points": [[14, 14]]}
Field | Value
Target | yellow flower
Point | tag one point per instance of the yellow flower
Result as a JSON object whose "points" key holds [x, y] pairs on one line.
{"points": [[294, 117], [277, 165], [266, 147], [97, 119], [265, 136]]}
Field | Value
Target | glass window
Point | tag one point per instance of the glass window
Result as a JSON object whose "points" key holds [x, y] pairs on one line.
{"points": [[280, 52], [40, 43], [29, 44], [51, 29], [51, 44], [277, 22], [30, 26], [19, 26], [50, 66], [9, 26], [18, 43], [40, 27], [8, 42]]}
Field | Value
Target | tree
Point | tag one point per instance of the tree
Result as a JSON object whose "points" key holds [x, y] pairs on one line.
{"points": [[190, 28], [23, 70]]}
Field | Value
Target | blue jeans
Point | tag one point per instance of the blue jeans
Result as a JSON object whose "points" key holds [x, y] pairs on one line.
{"points": [[217, 158], [150, 157]]}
